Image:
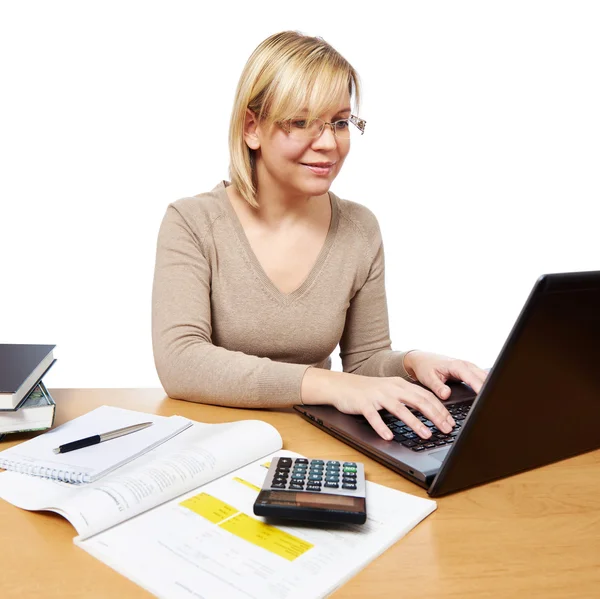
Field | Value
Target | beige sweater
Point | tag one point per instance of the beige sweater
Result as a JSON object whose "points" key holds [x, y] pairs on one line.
{"points": [[223, 333]]}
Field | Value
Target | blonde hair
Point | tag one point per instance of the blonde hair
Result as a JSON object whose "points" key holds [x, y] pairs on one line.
{"points": [[288, 72]]}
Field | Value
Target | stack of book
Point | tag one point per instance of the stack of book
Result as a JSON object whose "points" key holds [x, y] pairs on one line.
{"points": [[25, 404]]}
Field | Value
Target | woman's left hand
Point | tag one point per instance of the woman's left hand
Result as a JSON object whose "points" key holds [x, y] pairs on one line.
{"points": [[433, 370]]}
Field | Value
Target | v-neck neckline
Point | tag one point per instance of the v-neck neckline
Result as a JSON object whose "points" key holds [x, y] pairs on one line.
{"points": [[260, 271]]}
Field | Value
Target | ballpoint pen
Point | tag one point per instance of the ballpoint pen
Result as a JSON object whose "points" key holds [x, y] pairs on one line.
{"points": [[94, 439]]}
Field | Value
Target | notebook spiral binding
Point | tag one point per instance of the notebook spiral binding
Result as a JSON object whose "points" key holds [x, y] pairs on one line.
{"points": [[51, 473]]}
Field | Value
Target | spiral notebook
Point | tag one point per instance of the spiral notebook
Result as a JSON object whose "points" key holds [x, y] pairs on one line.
{"points": [[37, 458]]}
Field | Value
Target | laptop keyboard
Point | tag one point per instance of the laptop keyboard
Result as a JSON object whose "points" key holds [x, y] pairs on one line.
{"points": [[408, 438]]}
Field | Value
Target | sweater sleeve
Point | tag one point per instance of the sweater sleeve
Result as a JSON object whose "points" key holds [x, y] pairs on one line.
{"points": [[365, 347], [189, 366]]}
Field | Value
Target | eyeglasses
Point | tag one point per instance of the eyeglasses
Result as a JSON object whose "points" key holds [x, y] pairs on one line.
{"points": [[300, 128]]}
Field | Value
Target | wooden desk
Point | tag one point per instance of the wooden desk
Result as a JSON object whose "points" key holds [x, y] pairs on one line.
{"points": [[536, 534]]}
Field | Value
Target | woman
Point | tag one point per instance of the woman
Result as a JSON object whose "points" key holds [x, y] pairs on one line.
{"points": [[258, 280]]}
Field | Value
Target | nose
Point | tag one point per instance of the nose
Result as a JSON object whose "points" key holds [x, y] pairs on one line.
{"points": [[327, 140]]}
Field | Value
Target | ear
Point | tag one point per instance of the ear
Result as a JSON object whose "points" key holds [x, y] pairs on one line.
{"points": [[251, 133]]}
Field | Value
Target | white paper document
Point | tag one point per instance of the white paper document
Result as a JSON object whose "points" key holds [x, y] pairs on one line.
{"points": [[208, 543], [179, 520]]}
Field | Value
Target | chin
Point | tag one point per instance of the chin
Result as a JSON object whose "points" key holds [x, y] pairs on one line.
{"points": [[317, 187]]}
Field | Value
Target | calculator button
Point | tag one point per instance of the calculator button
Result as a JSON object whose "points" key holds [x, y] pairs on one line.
{"points": [[296, 486], [301, 461], [278, 485], [332, 479], [332, 485], [352, 487], [314, 477], [318, 462], [279, 479], [297, 476], [313, 487], [284, 462], [352, 464], [333, 463], [349, 469]]}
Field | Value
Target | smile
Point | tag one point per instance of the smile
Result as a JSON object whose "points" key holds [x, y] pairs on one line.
{"points": [[320, 168]]}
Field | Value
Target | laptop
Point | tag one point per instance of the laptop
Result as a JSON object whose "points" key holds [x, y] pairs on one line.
{"points": [[539, 404]]}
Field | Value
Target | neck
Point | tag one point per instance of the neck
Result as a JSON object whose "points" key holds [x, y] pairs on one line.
{"points": [[278, 205], [276, 208]]}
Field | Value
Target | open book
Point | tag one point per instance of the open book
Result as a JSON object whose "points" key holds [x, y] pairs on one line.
{"points": [[179, 522]]}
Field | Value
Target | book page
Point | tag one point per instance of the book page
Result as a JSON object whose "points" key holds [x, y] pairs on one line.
{"points": [[196, 456], [209, 543]]}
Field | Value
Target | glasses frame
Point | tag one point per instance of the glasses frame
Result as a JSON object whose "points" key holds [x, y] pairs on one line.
{"points": [[359, 123]]}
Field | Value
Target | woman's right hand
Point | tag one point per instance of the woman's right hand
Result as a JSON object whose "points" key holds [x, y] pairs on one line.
{"points": [[357, 394]]}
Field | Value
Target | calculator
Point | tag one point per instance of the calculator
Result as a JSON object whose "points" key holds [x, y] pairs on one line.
{"points": [[313, 490]]}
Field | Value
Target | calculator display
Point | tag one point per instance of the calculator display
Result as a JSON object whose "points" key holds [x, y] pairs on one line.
{"points": [[315, 490], [312, 500]]}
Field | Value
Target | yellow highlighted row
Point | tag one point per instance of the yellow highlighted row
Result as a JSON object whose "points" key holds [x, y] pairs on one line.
{"points": [[245, 527], [266, 536], [209, 507], [245, 482]]}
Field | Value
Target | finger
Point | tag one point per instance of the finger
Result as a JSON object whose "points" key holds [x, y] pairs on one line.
{"points": [[430, 406], [427, 403], [435, 381], [478, 377], [374, 419], [467, 373], [404, 414]]}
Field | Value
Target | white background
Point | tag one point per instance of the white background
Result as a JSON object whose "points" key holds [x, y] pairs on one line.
{"points": [[481, 158]]}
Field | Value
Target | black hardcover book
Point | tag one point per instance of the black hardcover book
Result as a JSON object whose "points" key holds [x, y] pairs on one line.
{"points": [[35, 413], [21, 368]]}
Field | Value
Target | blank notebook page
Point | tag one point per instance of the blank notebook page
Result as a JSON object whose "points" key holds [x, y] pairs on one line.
{"points": [[36, 456]]}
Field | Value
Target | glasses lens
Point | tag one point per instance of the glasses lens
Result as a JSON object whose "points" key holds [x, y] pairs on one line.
{"points": [[305, 129], [342, 129]]}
